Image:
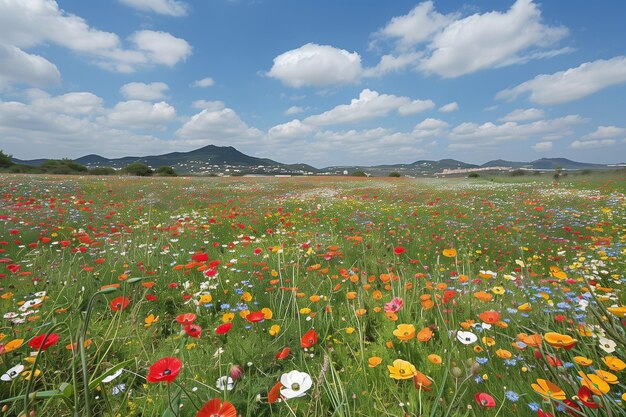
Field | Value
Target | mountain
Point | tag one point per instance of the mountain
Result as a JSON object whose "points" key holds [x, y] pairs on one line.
{"points": [[213, 159]]}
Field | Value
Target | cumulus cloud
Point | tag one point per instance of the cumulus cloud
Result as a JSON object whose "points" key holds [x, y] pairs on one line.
{"points": [[294, 110], [165, 7], [542, 146], [449, 108], [523, 115], [452, 45], [137, 114], [289, 130], [369, 105], [205, 82], [19, 67], [487, 135], [415, 27], [601, 137], [28, 24], [572, 84], [219, 127], [316, 65], [208, 105], [143, 91]]}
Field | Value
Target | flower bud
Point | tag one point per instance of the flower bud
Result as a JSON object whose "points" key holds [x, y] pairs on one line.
{"points": [[236, 372]]}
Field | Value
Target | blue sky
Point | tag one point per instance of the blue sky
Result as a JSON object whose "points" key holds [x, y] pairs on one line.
{"points": [[321, 82]]}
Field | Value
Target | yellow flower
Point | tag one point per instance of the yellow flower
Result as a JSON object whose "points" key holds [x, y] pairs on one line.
{"points": [[228, 317], [246, 296], [244, 313], [614, 363], [449, 253], [489, 341], [556, 272], [274, 330], [150, 320], [504, 354], [374, 361], [618, 311], [607, 377], [557, 340], [498, 290], [205, 299], [13, 344], [305, 310], [349, 330], [525, 307], [267, 313], [596, 384], [582, 361], [401, 370], [404, 332]]}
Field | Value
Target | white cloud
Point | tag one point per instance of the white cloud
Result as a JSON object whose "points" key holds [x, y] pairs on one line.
{"points": [[161, 47], [523, 115], [219, 127], [489, 40], [19, 67], [316, 65], [369, 105], [589, 144], [79, 103], [205, 82], [601, 137], [472, 135], [208, 105], [542, 146], [572, 84], [30, 23], [136, 114], [294, 110], [415, 27], [451, 45], [143, 91], [164, 7], [449, 108], [290, 130]]}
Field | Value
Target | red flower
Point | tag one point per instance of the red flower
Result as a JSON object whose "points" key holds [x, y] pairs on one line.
{"points": [[186, 318], [283, 353], [541, 413], [38, 342], [216, 408], [119, 303], [165, 369], [200, 257], [274, 393], [309, 339], [223, 328], [586, 397], [484, 399], [399, 250], [151, 297], [193, 330], [255, 317]]}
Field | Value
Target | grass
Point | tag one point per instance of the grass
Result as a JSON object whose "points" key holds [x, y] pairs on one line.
{"points": [[322, 254]]}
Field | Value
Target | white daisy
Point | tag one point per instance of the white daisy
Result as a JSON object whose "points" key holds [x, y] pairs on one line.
{"points": [[295, 384]]}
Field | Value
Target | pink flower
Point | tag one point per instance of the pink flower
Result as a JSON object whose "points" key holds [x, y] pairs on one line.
{"points": [[394, 305]]}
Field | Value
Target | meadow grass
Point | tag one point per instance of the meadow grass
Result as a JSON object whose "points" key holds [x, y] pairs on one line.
{"points": [[397, 297]]}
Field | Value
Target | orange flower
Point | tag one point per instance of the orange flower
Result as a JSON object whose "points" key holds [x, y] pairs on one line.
{"points": [[596, 384], [483, 296], [548, 390], [404, 332], [534, 340], [557, 340], [490, 316], [374, 361], [556, 272], [425, 334], [434, 358], [449, 253], [421, 381]]}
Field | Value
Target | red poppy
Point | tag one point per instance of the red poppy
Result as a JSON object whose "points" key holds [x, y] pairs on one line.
{"points": [[217, 408], [200, 257], [399, 250], [490, 316], [283, 353], [186, 318], [151, 297], [484, 399], [38, 342], [255, 317], [274, 393], [224, 328], [309, 339], [586, 397], [165, 369], [541, 413], [119, 303], [193, 330]]}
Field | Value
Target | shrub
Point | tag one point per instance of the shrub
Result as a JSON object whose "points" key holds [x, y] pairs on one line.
{"points": [[139, 169], [395, 174], [473, 175]]}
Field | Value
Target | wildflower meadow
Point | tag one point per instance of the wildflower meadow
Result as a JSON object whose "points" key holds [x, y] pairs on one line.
{"points": [[312, 296]]}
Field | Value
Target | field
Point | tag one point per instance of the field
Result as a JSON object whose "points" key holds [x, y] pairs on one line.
{"points": [[312, 296]]}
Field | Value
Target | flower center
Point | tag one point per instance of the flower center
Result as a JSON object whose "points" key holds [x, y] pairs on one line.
{"points": [[167, 372], [295, 386]]}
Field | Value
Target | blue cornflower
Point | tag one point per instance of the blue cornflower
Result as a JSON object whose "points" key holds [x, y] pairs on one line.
{"points": [[512, 396], [482, 361], [534, 406]]}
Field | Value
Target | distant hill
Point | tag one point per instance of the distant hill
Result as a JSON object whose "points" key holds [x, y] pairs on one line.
{"points": [[213, 159]]}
